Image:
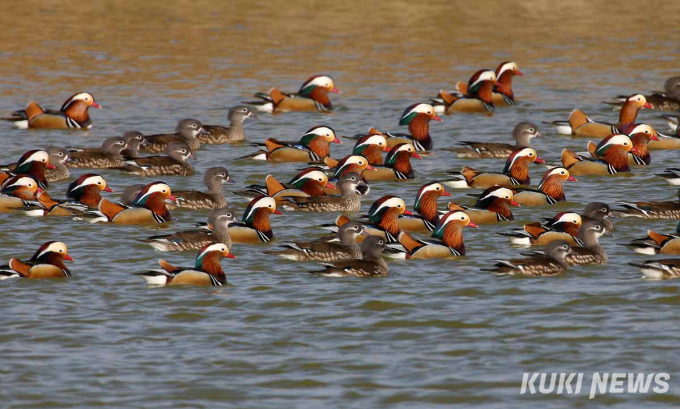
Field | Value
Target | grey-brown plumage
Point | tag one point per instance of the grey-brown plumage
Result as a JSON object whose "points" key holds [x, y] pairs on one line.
{"points": [[371, 265], [108, 156], [599, 211], [216, 134], [552, 262], [523, 133], [186, 131], [58, 158], [175, 163], [350, 185], [213, 179], [659, 269], [220, 220], [591, 252], [134, 140], [650, 210], [342, 247], [130, 194]]}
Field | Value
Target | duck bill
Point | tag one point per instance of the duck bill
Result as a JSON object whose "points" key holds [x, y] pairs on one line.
{"points": [[369, 167], [229, 179], [277, 211], [648, 105], [230, 256], [520, 73], [437, 118], [572, 179], [50, 166], [408, 213], [513, 203], [329, 185], [108, 189], [203, 132], [446, 193], [171, 198], [67, 257], [335, 91], [192, 156], [539, 160], [252, 114], [336, 140], [96, 105], [635, 151], [416, 156], [474, 226], [654, 138]]}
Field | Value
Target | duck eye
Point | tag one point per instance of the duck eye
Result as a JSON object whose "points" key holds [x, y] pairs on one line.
{"points": [[562, 173], [531, 154], [603, 209], [61, 251], [428, 112], [99, 183], [244, 110], [270, 206], [531, 129], [60, 154], [507, 197], [625, 144], [163, 190], [462, 217], [361, 162], [399, 206], [437, 188], [379, 143]]}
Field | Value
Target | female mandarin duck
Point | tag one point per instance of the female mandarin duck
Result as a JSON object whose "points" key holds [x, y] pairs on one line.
{"points": [[551, 263], [478, 98], [187, 131], [16, 191], [313, 146], [217, 232], [397, 164], [523, 133], [515, 172], [47, 262], [58, 158], [254, 227], [417, 117], [34, 163], [492, 206], [610, 157], [650, 210], [371, 264], [72, 115], [147, 208], [310, 182], [657, 243], [108, 156], [312, 96], [207, 270], [383, 217], [599, 211], [425, 206], [349, 200], [581, 125], [564, 226], [214, 178], [549, 190], [342, 247], [372, 146], [447, 238], [216, 134], [591, 252], [133, 140], [174, 163]]}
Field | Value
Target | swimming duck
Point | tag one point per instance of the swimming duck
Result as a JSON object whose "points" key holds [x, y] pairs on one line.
{"points": [[383, 217], [87, 189], [72, 115], [447, 238], [84, 194], [16, 191], [425, 206], [523, 133], [148, 207], [372, 146], [213, 179], [563, 226], [657, 243], [58, 158], [599, 211], [672, 175], [667, 100], [417, 117], [310, 182], [611, 157], [551, 263], [397, 164], [650, 210], [591, 252], [108, 156], [312, 96], [207, 270], [133, 140], [659, 269], [217, 231], [47, 262], [372, 263], [515, 172], [34, 163], [478, 97], [349, 164], [216, 134], [175, 163], [254, 227], [671, 141], [342, 247], [549, 190], [350, 185], [313, 146], [187, 131], [492, 206], [579, 124], [641, 135]]}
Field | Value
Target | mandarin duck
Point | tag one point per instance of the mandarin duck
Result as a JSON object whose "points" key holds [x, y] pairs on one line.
{"points": [[397, 164], [187, 131], [217, 232], [147, 208], [563, 226], [217, 134], [549, 191], [372, 146], [174, 163], [551, 262], [447, 238], [84, 194], [108, 156], [478, 97], [383, 217], [312, 96], [523, 133], [17, 190], [666, 100], [47, 262], [492, 206], [254, 227], [579, 124], [214, 178], [591, 252], [133, 140], [427, 215], [610, 157], [207, 270], [72, 115], [659, 269], [34, 163], [310, 182], [351, 187], [599, 211], [342, 247], [515, 172], [650, 210], [417, 117], [58, 158], [657, 243], [313, 146], [372, 264]]}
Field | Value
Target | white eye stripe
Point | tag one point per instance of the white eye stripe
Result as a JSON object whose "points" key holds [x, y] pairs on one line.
{"points": [[374, 140], [502, 193], [420, 109], [266, 202], [92, 180], [392, 202]]}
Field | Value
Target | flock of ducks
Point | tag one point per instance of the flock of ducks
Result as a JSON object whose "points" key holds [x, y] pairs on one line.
{"points": [[388, 230]]}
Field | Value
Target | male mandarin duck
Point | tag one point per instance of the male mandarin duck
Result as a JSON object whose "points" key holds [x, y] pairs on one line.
{"points": [[187, 131], [641, 135], [310, 182], [650, 210], [671, 141], [147, 208], [663, 269], [523, 133], [47, 262], [371, 264], [254, 227], [563, 226], [549, 191], [671, 175], [351, 187], [551, 262], [34, 163], [108, 156], [207, 270], [515, 172], [56, 169], [349, 164], [17, 190], [397, 164], [417, 117], [217, 232], [314, 146], [84, 194], [174, 163], [492, 206], [591, 252], [342, 247], [579, 124], [312, 96], [427, 216], [383, 217], [72, 115], [666, 100], [372, 146], [657, 243], [478, 97], [610, 157], [217, 134], [447, 238], [214, 198]]}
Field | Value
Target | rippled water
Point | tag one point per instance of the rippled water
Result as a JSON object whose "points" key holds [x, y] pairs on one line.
{"points": [[434, 333]]}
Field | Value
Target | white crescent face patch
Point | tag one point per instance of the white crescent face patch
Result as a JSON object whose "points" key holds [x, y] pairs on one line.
{"points": [[395, 202], [266, 202], [569, 218], [420, 109], [56, 247], [502, 193], [374, 140]]}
